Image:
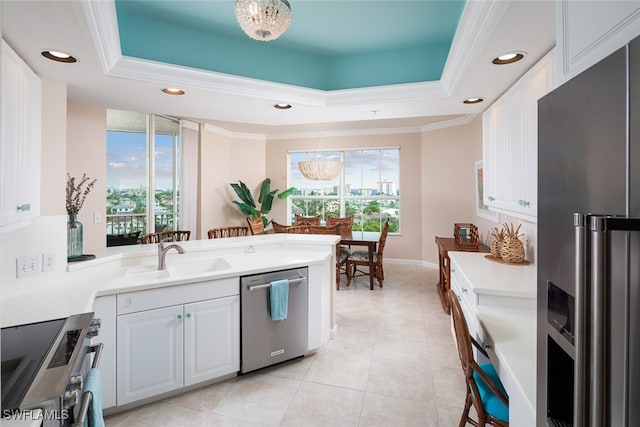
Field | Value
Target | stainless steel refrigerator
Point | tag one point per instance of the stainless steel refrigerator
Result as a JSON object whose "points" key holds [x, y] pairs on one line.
{"points": [[589, 247]]}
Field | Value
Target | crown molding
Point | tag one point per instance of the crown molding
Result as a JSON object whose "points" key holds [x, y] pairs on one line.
{"points": [[477, 23], [234, 135], [464, 120]]}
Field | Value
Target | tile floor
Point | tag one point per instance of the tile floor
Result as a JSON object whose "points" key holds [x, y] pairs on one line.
{"points": [[393, 363]]}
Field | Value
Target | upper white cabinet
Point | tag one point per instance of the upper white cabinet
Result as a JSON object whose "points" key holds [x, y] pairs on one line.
{"points": [[510, 140], [20, 138], [588, 31]]}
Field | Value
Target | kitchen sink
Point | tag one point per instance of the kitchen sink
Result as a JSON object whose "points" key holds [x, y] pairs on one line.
{"points": [[177, 269], [196, 267], [149, 274]]}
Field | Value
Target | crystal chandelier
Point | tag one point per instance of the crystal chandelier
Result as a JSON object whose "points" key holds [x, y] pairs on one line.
{"points": [[263, 20], [320, 170]]}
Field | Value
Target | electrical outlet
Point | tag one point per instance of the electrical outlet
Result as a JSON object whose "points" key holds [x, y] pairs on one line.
{"points": [[27, 266], [250, 249], [48, 262], [97, 217]]}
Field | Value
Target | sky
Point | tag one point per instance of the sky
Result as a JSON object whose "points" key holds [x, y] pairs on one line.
{"points": [[127, 164]]}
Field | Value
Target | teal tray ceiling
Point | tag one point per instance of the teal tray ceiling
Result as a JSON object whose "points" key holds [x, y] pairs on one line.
{"points": [[330, 45]]}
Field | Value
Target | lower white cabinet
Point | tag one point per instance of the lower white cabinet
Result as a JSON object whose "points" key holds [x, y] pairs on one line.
{"points": [[211, 339], [167, 348]]}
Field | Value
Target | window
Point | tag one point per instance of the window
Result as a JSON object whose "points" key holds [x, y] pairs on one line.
{"points": [[368, 188], [133, 174]]}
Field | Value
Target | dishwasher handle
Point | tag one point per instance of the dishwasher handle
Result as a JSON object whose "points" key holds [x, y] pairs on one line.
{"points": [[268, 285]]}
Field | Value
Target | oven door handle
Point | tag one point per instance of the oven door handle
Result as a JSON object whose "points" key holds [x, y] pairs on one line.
{"points": [[87, 396]]}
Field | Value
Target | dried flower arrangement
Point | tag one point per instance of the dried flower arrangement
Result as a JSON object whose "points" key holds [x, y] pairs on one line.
{"points": [[76, 195]]}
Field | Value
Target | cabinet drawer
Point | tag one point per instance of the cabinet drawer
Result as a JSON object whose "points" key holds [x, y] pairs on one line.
{"points": [[131, 302], [462, 288]]}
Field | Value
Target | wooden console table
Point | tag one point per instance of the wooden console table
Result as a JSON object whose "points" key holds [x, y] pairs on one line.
{"points": [[446, 244]]}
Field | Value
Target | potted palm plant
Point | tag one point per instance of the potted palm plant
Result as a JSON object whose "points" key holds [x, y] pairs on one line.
{"points": [[247, 203]]}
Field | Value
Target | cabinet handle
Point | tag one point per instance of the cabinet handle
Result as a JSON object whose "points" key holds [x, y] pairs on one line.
{"points": [[453, 270], [179, 316], [188, 315], [23, 208], [464, 290], [485, 346], [491, 198]]}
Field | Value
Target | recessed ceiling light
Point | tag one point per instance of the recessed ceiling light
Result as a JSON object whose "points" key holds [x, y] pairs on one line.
{"points": [[282, 106], [472, 100], [173, 91], [508, 58], [56, 55]]}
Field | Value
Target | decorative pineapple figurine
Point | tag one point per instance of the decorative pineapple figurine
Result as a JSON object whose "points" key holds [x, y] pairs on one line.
{"points": [[512, 249], [496, 242]]}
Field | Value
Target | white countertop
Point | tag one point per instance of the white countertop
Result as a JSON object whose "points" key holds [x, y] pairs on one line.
{"points": [[106, 275], [493, 278], [513, 333]]}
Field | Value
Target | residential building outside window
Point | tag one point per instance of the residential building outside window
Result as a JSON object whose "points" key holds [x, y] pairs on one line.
{"points": [[143, 158], [367, 188]]}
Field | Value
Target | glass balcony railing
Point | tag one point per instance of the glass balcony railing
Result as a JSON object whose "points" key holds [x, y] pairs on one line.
{"points": [[130, 223]]}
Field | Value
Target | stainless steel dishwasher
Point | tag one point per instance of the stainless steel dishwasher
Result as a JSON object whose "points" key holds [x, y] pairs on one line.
{"points": [[264, 341]]}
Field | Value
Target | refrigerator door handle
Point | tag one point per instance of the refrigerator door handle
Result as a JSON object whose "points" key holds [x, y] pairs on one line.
{"points": [[580, 385], [598, 321]]}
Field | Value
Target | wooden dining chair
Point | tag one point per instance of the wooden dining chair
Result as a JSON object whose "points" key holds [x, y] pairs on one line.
{"points": [[307, 220], [361, 258], [256, 226], [231, 231], [484, 389], [280, 228], [166, 236], [345, 226]]}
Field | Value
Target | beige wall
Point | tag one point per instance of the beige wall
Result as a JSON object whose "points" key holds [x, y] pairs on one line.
{"points": [[225, 160], [87, 153], [448, 177], [407, 245]]}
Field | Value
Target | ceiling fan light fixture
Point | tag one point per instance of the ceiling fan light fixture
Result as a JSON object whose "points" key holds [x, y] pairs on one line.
{"points": [[263, 20], [508, 58], [320, 170]]}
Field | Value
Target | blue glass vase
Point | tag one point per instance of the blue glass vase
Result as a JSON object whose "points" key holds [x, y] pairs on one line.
{"points": [[74, 236]]}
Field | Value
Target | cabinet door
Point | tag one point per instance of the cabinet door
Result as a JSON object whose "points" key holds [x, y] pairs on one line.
{"points": [[150, 353], [20, 103], [212, 339], [496, 153]]}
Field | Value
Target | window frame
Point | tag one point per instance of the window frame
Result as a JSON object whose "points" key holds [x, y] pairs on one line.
{"points": [[342, 197]]}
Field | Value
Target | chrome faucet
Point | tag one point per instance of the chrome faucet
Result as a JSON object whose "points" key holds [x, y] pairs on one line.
{"points": [[162, 253]]}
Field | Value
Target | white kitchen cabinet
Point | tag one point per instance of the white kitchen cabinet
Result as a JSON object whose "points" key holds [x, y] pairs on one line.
{"points": [[20, 139], [510, 141], [150, 351], [212, 339], [173, 337], [589, 31]]}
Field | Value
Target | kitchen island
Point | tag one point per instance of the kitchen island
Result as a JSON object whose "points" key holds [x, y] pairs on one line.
{"points": [[124, 285]]}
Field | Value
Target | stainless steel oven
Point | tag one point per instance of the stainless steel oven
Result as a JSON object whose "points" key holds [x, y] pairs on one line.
{"points": [[44, 365]]}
